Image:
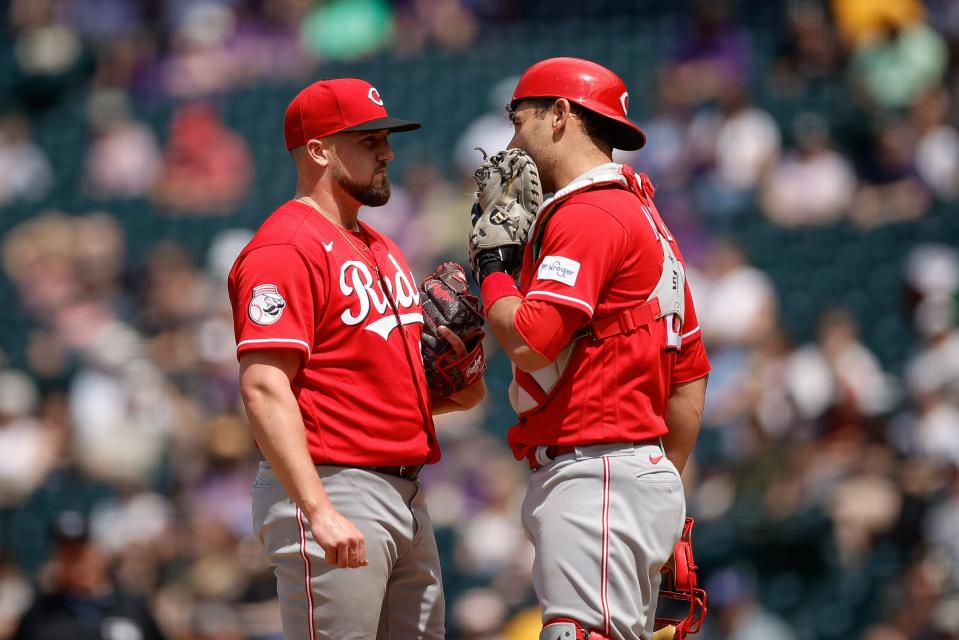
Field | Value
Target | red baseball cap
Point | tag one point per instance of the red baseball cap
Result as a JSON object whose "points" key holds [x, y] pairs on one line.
{"points": [[333, 106]]}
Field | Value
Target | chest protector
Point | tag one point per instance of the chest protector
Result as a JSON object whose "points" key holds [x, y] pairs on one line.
{"points": [[530, 390]]}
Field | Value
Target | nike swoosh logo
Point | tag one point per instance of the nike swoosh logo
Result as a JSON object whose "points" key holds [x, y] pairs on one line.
{"points": [[328, 246], [655, 459]]}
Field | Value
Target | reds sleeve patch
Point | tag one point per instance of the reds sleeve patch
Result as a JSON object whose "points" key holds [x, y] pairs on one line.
{"points": [[267, 304], [559, 269]]}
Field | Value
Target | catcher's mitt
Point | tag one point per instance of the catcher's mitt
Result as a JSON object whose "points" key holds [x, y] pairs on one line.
{"points": [[447, 301], [508, 198]]}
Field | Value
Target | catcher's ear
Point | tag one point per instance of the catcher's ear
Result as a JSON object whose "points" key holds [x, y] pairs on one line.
{"points": [[559, 114]]}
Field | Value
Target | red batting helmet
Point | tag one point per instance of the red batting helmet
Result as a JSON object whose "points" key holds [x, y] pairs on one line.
{"points": [[589, 85]]}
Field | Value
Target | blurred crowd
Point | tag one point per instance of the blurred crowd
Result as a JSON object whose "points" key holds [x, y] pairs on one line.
{"points": [[826, 481]]}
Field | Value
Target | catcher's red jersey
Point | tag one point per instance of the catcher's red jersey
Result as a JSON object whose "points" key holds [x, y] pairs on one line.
{"points": [[600, 255], [304, 284]]}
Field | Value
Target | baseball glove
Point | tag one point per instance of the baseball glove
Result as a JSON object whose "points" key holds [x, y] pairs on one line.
{"points": [[508, 198], [447, 301]]}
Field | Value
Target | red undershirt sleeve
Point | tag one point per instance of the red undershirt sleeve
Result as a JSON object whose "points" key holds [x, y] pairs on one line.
{"points": [[547, 328]]}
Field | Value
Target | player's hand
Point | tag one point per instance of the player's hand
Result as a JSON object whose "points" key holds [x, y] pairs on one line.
{"points": [[343, 543]]}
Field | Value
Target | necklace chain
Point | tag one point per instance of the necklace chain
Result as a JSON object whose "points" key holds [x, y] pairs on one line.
{"points": [[312, 203]]}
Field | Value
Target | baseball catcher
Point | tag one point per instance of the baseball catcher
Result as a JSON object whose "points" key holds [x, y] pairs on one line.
{"points": [[609, 367], [508, 196], [447, 302]]}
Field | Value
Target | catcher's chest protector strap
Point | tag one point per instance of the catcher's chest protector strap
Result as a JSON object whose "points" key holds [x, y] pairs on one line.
{"points": [[670, 290]]}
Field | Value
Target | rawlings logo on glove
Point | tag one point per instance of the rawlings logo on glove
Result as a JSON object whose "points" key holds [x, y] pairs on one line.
{"points": [[508, 198], [447, 302]]}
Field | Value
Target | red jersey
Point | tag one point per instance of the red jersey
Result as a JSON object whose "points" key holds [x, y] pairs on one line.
{"points": [[348, 303], [600, 253]]}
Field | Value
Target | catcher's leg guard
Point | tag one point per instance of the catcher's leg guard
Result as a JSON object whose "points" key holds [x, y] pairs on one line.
{"points": [[568, 629]]}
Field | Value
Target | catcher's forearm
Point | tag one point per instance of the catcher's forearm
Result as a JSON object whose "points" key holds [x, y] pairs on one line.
{"points": [[501, 318], [684, 414]]}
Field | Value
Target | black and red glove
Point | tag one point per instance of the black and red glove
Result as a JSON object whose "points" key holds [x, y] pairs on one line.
{"points": [[447, 301]]}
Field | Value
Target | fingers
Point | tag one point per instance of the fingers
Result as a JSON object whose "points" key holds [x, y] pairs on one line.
{"points": [[459, 347], [350, 554], [343, 544]]}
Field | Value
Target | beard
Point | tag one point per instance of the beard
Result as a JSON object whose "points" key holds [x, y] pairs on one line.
{"points": [[368, 194]]}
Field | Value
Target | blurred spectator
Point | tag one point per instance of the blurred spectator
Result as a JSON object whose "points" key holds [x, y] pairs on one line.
{"points": [[813, 184], [16, 595], [104, 20], [29, 448], [478, 614], [864, 506], [82, 601], [898, 66], [494, 518], [810, 53], [736, 614], [862, 20], [200, 64], [666, 156], [710, 54], [942, 526], [221, 493], [128, 64], [206, 167], [735, 145], [937, 147], [944, 16], [123, 160], [735, 302], [451, 24], [49, 56], [490, 131], [120, 405], [52, 258], [267, 42], [25, 172], [890, 190], [840, 372], [347, 29]]}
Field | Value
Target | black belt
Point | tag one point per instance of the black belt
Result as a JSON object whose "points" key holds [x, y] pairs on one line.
{"points": [[405, 471], [553, 451]]}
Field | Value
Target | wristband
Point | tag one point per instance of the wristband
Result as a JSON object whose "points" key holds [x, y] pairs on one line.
{"points": [[487, 263], [495, 286]]}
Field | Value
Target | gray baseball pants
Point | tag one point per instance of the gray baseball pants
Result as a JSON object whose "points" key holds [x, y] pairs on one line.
{"points": [[603, 521], [399, 595]]}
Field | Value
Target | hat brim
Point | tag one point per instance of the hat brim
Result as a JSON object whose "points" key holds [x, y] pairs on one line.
{"points": [[394, 125]]}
